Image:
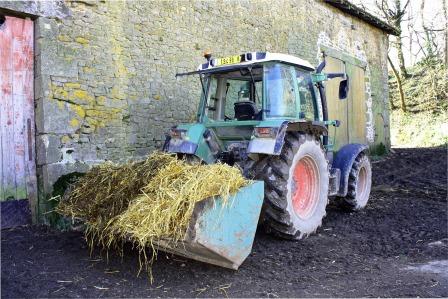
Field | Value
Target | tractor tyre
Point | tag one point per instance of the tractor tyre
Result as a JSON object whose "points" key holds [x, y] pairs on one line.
{"points": [[359, 184], [296, 187]]}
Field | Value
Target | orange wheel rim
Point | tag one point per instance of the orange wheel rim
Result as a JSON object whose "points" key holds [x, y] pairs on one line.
{"points": [[305, 193]]}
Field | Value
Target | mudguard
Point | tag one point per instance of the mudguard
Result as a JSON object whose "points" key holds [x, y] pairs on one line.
{"points": [[273, 146], [179, 146], [344, 160], [270, 146], [196, 140]]}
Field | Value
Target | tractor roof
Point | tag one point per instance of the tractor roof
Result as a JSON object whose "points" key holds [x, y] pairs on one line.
{"points": [[252, 58]]}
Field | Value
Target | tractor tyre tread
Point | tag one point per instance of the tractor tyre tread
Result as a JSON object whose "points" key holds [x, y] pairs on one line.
{"points": [[275, 173], [350, 201]]}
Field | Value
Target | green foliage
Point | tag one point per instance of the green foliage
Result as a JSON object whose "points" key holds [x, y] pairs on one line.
{"points": [[60, 186], [378, 151], [426, 121]]}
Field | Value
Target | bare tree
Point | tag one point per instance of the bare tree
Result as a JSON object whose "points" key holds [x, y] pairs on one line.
{"points": [[394, 13], [399, 85], [431, 38]]}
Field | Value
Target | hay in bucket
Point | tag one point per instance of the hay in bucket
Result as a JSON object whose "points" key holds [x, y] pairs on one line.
{"points": [[106, 190], [147, 201]]}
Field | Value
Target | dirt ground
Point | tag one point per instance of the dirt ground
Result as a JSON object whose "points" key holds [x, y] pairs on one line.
{"points": [[396, 247]]}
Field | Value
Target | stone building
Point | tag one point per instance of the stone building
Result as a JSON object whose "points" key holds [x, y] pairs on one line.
{"points": [[94, 80]]}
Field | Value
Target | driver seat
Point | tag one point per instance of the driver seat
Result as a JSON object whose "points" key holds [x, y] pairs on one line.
{"points": [[246, 110]]}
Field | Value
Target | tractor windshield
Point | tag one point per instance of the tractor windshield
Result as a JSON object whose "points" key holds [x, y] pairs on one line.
{"points": [[235, 95], [280, 90], [273, 90], [289, 92]]}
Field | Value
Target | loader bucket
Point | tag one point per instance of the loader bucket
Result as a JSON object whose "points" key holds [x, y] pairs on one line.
{"points": [[221, 234]]}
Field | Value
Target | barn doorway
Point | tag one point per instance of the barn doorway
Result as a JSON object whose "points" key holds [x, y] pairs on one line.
{"points": [[18, 188]]}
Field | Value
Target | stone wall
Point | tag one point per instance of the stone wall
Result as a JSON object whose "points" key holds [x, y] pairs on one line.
{"points": [[105, 70]]}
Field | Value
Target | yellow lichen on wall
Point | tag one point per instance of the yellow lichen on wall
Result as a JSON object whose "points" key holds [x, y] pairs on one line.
{"points": [[115, 29], [74, 122], [65, 139], [89, 111], [82, 40], [117, 93], [60, 93], [79, 94], [100, 100], [72, 85], [79, 111], [64, 38], [87, 69]]}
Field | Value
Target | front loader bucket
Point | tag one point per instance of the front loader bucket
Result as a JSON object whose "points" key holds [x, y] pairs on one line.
{"points": [[222, 234]]}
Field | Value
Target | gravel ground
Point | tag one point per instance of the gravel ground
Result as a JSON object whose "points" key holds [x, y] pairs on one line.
{"points": [[395, 247]]}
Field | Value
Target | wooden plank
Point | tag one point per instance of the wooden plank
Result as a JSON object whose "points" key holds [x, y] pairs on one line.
{"points": [[343, 56], [337, 109], [29, 120], [357, 105], [21, 66], [6, 111], [1, 139], [1, 150]]}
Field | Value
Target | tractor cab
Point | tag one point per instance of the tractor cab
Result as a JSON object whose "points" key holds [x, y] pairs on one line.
{"points": [[257, 89], [248, 101]]}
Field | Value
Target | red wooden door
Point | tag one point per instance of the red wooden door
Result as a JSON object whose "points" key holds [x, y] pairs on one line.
{"points": [[17, 161]]}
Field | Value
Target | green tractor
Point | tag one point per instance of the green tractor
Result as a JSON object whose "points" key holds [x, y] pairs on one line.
{"points": [[267, 113]]}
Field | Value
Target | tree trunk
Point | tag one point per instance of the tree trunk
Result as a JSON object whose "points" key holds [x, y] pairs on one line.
{"points": [[400, 87], [428, 46], [399, 43], [401, 65], [445, 13]]}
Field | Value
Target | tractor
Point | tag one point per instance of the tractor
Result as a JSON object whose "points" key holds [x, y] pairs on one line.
{"points": [[267, 114]]}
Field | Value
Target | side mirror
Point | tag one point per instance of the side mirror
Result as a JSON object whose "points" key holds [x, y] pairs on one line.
{"points": [[343, 89]]}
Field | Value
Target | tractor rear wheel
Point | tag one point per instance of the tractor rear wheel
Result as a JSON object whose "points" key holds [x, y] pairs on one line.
{"points": [[296, 187], [359, 184]]}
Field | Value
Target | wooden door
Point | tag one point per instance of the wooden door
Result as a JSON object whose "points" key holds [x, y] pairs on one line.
{"points": [[17, 160], [351, 112], [337, 109], [356, 104]]}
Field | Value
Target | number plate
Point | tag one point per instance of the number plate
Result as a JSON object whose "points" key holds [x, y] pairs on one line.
{"points": [[228, 60]]}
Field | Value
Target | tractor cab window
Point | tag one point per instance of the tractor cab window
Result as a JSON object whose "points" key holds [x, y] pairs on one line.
{"points": [[235, 95], [308, 109], [280, 90]]}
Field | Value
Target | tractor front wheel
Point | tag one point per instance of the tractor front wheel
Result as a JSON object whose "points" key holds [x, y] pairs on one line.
{"points": [[296, 187]]}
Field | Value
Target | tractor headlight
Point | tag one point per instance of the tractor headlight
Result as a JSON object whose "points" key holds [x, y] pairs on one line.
{"points": [[265, 132], [178, 133]]}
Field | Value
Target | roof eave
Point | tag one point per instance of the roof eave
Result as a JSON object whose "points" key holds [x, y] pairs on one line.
{"points": [[360, 13]]}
